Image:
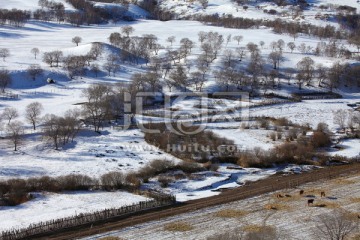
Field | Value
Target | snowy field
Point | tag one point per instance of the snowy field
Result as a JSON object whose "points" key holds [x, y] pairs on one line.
{"points": [[91, 154], [309, 111], [294, 220], [48, 206]]}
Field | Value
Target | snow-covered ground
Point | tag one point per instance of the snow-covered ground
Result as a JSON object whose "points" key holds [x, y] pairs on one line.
{"points": [[91, 154], [348, 148], [308, 111], [48, 206]]}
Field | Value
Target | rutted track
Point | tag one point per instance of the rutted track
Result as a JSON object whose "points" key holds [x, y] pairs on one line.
{"points": [[273, 183]]}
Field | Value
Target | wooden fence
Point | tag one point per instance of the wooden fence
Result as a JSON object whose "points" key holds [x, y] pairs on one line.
{"points": [[85, 218], [8, 96]]}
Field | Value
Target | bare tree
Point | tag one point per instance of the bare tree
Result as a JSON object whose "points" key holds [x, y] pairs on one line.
{"points": [[273, 45], [228, 39], [262, 43], [5, 79], [334, 75], [238, 39], [95, 68], [321, 73], [61, 130], [241, 53], [291, 46], [302, 48], [228, 56], [306, 69], [96, 50], [76, 40], [171, 40], [35, 51], [108, 67], [15, 131], [9, 114], [97, 107], [75, 65], [340, 117], [4, 53], [178, 75], [197, 79], [52, 128], [127, 30], [252, 47], [300, 78], [52, 58], [204, 3], [255, 68], [202, 36], [280, 45], [34, 70], [276, 58], [185, 46], [33, 112], [335, 226]]}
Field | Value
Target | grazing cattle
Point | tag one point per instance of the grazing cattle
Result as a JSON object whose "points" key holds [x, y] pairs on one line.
{"points": [[310, 202], [322, 194], [301, 192], [279, 196]]}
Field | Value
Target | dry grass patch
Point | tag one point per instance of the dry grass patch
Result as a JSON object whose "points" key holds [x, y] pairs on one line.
{"points": [[356, 237], [343, 181], [277, 206], [352, 216], [178, 227], [355, 200], [252, 228], [316, 191], [286, 197], [230, 213], [110, 238], [327, 204]]}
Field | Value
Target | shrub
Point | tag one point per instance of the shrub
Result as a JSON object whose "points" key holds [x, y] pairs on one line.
{"points": [[264, 123], [282, 122], [154, 168], [293, 133], [320, 139], [164, 181], [44, 183], [113, 180], [273, 136], [190, 167], [132, 180], [74, 182]]}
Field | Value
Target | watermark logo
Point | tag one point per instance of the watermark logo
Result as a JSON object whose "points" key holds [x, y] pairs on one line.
{"points": [[185, 113]]}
